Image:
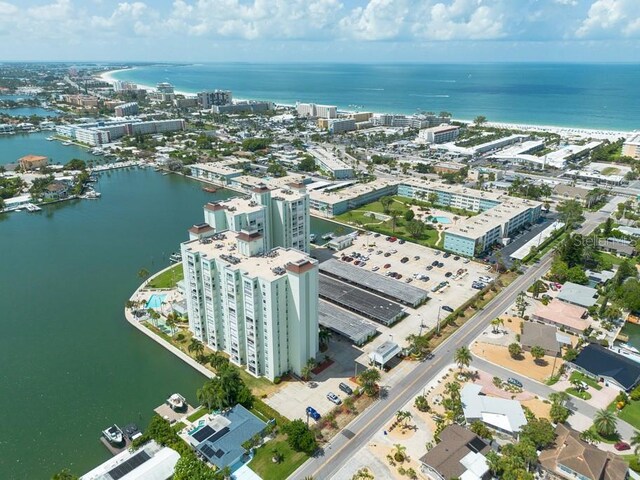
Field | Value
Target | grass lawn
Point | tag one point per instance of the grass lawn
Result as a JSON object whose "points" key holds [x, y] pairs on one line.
{"points": [[583, 378], [631, 414], [579, 394], [264, 466], [169, 278], [197, 414], [613, 259], [610, 171], [178, 426]]}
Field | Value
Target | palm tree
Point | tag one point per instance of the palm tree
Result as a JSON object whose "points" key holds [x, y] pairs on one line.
{"points": [[495, 323], [196, 347], [462, 357], [493, 462], [324, 335], [368, 379], [589, 436], [306, 372], [172, 320], [399, 452], [537, 352], [605, 422]]}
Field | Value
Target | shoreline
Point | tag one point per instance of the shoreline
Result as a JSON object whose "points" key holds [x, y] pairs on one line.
{"points": [[601, 133]]}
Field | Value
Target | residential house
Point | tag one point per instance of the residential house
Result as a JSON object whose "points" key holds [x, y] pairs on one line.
{"points": [[565, 316], [572, 459], [578, 295], [542, 335], [607, 366], [460, 454], [617, 246], [500, 414]]}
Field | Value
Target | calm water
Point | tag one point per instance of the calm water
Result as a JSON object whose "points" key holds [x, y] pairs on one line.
{"points": [[632, 330], [28, 111], [588, 96], [12, 147], [70, 364]]}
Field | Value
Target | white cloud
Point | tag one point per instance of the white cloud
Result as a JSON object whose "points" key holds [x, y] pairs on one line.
{"points": [[379, 20], [611, 18], [461, 20]]}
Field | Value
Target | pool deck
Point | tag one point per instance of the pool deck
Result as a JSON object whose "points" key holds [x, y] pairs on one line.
{"points": [[140, 293]]}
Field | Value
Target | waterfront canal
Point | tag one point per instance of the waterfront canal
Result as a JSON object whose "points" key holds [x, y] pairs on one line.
{"points": [[70, 364]]}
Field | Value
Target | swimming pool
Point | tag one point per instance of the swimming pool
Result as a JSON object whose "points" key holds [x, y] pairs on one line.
{"points": [[155, 300], [443, 220]]}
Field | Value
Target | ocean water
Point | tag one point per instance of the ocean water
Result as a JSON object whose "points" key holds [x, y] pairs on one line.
{"points": [[600, 96]]}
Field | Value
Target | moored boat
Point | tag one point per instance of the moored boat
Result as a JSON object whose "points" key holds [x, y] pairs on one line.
{"points": [[113, 435], [177, 402], [209, 189]]}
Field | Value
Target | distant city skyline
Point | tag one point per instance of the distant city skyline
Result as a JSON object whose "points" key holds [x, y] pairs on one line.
{"points": [[321, 30]]}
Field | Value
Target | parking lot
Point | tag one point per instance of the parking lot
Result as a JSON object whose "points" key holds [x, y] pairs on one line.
{"points": [[387, 257], [294, 397]]}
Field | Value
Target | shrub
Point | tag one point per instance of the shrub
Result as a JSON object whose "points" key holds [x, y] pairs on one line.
{"points": [[277, 380]]}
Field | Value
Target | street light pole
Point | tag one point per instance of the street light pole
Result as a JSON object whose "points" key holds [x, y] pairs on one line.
{"points": [[438, 321]]}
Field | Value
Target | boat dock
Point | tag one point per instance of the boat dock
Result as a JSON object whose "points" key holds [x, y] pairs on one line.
{"points": [[115, 450], [115, 166]]}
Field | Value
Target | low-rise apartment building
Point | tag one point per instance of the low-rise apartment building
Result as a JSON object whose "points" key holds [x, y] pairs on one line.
{"points": [[631, 147], [331, 164], [214, 172], [439, 134]]}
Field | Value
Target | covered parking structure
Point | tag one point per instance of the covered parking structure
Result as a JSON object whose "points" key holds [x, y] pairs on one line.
{"points": [[364, 303], [373, 282], [345, 323]]}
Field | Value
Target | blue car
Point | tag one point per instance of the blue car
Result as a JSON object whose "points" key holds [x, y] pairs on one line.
{"points": [[313, 413]]}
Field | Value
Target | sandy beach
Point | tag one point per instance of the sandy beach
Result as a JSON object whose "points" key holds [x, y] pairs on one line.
{"points": [[577, 132]]}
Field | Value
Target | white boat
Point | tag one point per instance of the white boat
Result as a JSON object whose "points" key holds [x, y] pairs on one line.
{"points": [[50, 139], [328, 236], [66, 143], [175, 257], [312, 237], [92, 195], [33, 208], [176, 402], [113, 435]]}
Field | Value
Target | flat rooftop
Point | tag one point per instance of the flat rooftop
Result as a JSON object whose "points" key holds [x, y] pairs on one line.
{"points": [[248, 182], [216, 168], [269, 267], [345, 323], [352, 192], [373, 282], [328, 159], [364, 303]]}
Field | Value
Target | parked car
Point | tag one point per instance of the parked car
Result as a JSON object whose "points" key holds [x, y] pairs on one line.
{"points": [[417, 257], [514, 381], [434, 263], [456, 258], [387, 254], [386, 265], [402, 241], [345, 388], [409, 280], [376, 235], [429, 267], [393, 239], [448, 274], [440, 265], [313, 413], [404, 260], [446, 255], [447, 308], [332, 397], [375, 269], [393, 251], [466, 260], [620, 446]]}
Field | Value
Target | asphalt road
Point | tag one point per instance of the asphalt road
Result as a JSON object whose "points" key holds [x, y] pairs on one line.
{"points": [[343, 446]]}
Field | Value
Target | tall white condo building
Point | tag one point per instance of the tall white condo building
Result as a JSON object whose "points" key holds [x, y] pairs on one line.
{"points": [[251, 288]]}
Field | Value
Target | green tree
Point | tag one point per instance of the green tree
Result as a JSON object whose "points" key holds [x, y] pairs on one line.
{"points": [[605, 422], [324, 336], [480, 120], [64, 474], [558, 412], [299, 437], [570, 212], [190, 467], [196, 347], [416, 228], [419, 345], [369, 381], [480, 429], [515, 350], [386, 203], [539, 431], [537, 352], [607, 228], [409, 215], [521, 304], [462, 357], [307, 164], [589, 436], [635, 441], [399, 452]]}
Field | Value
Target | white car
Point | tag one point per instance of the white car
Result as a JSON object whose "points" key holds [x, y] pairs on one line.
{"points": [[375, 269], [332, 397]]}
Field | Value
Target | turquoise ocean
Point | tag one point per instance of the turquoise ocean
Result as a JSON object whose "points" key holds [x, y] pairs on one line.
{"points": [[598, 96]]}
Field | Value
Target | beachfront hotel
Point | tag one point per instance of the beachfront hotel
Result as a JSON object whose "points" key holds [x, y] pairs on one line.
{"points": [[101, 132], [251, 289]]}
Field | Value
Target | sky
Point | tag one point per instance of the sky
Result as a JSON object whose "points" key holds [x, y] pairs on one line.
{"points": [[320, 30]]}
